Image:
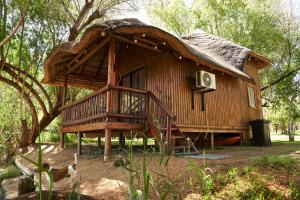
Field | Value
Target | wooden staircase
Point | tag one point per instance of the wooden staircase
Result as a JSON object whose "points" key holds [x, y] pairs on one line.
{"points": [[177, 141]]}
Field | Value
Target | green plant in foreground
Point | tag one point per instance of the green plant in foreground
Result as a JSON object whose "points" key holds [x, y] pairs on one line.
{"points": [[294, 190], [10, 172], [204, 179], [232, 173]]}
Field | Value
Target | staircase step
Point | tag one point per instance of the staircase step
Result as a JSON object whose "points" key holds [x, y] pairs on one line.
{"points": [[180, 147], [177, 137]]}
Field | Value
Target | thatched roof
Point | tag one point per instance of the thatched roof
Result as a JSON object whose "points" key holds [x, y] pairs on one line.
{"points": [[200, 47]]}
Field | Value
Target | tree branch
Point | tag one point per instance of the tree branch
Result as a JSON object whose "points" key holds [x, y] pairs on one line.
{"points": [[280, 79], [26, 97], [30, 88], [15, 29], [33, 80]]}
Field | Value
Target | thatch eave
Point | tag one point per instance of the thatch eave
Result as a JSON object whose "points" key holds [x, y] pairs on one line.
{"points": [[185, 47]]}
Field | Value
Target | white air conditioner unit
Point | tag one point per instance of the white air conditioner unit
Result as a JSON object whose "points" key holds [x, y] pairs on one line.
{"points": [[205, 80]]}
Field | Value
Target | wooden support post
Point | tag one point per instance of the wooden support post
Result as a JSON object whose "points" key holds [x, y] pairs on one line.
{"points": [[212, 139], [99, 141], [110, 81], [107, 145], [145, 143], [62, 140], [168, 129], [121, 141], [65, 91], [79, 144]]}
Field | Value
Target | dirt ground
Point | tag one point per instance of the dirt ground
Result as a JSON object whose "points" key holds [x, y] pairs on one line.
{"points": [[105, 181]]}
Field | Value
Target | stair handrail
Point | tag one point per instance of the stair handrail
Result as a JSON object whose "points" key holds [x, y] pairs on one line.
{"points": [[162, 106]]}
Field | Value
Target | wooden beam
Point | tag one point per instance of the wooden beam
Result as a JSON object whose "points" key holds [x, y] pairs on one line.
{"points": [[62, 140], [121, 141], [65, 91], [79, 144], [124, 39], [87, 54], [107, 144], [212, 139], [101, 63], [111, 61], [146, 41], [99, 141], [102, 126]]}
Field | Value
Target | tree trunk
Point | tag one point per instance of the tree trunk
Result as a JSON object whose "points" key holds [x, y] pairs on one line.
{"points": [[291, 131], [25, 133]]}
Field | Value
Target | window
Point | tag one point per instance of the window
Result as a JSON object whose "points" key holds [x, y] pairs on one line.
{"points": [[251, 96], [135, 79]]}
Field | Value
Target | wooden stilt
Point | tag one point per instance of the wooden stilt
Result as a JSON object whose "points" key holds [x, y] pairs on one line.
{"points": [[99, 141], [212, 139], [121, 141], [62, 140], [145, 143], [107, 144], [79, 144]]}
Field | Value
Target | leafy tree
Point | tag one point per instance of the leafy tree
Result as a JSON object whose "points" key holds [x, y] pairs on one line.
{"points": [[28, 31]]}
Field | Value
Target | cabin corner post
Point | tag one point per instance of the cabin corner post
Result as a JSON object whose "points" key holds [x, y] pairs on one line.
{"points": [[110, 81]]}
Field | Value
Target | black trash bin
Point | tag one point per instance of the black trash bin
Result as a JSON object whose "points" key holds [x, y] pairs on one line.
{"points": [[261, 132]]}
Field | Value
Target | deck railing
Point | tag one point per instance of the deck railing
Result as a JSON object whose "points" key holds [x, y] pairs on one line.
{"points": [[161, 116], [127, 105]]}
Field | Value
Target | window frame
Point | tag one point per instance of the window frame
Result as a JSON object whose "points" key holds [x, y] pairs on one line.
{"points": [[254, 96]]}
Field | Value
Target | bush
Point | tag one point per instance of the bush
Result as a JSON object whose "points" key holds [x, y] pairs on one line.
{"points": [[276, 162], [10, 172], [259, 190]]}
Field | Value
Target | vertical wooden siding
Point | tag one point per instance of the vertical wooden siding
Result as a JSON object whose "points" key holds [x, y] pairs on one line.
{"points": [[171, 80]]}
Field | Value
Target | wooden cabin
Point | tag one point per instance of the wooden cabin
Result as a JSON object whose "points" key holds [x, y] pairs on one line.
{"points": [[142, 77]]}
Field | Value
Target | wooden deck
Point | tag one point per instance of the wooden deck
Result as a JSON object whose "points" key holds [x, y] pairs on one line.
{"points": [[98, 126]]}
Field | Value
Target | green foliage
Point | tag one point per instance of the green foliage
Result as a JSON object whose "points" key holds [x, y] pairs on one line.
{"points": [[295, 190], [232, 174], [10, 172], [204, 179], [177, 16], [258, 191], [218, 148], [277, 162]]}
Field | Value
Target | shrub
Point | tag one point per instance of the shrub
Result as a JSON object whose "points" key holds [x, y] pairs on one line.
{"points": [[232, 174], [203, 178], [276, 162], [10, 172]]}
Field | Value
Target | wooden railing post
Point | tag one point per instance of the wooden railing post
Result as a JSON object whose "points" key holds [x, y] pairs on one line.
{"points": [[168, 133]]}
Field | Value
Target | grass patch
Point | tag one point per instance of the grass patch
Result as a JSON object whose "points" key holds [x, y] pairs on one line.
{"points": [[218, 148], [10, 172], [276, 162], [285, 142], [258, 190]]}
